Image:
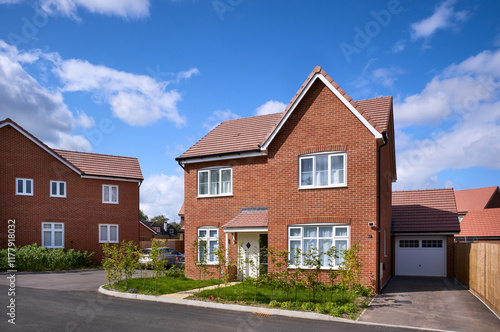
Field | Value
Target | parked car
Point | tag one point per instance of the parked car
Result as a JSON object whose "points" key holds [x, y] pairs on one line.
{"points": [[168, 255]]}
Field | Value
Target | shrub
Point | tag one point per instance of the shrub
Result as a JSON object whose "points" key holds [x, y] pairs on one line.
{"points": [[35, 258], [274, 304]]}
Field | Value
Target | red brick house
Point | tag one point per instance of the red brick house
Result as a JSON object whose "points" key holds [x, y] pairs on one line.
{"points": [[65, 199], [318, 174], [424, 223]]}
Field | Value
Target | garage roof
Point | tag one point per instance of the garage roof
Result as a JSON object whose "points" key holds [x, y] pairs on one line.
{"points": [[424, 211]]}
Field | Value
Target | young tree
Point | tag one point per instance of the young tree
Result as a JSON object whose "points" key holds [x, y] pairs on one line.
{"points": [[157, 262], [130, 259]]}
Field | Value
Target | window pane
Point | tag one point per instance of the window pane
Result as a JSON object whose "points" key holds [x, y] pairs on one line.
{"points": [[213, 233], [310, 231], [58, 239], [226, 181], [324, 246], [47, 239], [54, 188], [212, 249], [61, 188], [325, 232], [58, 226], [322, 170], [202, 233], [337, 169], [114, 194], [106, 193], [294, 250], [113, 233], [104, 233], [341, 231], [295, 231], [20, 186], [339, 246], [47, 226], [306, 176], [214, 182], [310, 245], [203, 183], [28, 186]]}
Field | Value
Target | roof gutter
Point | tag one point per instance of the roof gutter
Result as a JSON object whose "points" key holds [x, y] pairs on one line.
{"points": [[221, 156]]}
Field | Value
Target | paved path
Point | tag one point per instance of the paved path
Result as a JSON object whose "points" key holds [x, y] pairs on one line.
{"points": [[435, 303]]}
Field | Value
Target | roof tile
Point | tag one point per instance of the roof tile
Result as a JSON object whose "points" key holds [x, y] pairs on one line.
{"points": [[424, 211], [474, 199], [480, 223], [250, 217]]}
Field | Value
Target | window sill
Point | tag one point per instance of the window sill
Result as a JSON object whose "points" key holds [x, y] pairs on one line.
{"points": [[109, 242], [324, 187], [18, 194], [116, 203], [214, 196], [312, 268], [58, 196]]}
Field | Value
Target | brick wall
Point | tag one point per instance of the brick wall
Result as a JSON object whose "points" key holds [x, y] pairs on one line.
{"points": [[81, 211], [320, 121]]}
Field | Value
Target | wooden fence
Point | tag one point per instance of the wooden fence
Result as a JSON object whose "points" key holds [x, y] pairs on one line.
{"points": [[477, 266], [172, 243]]}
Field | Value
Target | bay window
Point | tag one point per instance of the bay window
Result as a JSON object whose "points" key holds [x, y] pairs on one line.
{"points": [[317, 239]]}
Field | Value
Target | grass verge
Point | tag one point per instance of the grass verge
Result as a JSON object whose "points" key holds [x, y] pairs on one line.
{"points": [[165, 285]]}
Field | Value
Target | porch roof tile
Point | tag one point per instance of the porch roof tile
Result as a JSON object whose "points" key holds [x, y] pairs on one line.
{"points": [[249, 217]]}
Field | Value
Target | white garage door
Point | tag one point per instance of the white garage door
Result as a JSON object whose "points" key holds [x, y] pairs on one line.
{"points": [[421, 256]]}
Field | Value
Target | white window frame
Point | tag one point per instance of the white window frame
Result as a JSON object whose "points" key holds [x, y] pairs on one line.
{"points": [[313, 156], [212, 258], [52, 231], [301, 238], [209, 172], [108, 233], [58, 189], [111, 186], [23, 189]]}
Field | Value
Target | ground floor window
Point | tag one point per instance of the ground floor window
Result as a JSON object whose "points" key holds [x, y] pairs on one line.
{"points": [[52, 235], [108, 233], [208, 242], [317, 239]]}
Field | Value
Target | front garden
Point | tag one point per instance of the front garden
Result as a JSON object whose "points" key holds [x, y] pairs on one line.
{"points": [[300, 288]]}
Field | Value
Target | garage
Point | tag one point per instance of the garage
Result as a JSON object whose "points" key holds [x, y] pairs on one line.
{"points": [[423, 225], [421, 256]]}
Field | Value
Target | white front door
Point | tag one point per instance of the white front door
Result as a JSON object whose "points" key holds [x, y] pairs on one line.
{"points": [[421, 256], [248, 260]]}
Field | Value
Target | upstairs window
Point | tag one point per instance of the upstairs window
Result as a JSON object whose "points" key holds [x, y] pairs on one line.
{"points": [[24, 187], [109, 194], [215, 182], [322, 170], [57, 189]]}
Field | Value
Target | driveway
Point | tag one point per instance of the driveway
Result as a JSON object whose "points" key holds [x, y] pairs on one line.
{"points": [[435, 303]]}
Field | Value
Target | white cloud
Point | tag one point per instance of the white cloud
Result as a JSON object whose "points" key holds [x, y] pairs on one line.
{"points": [[138, 100], [162, 194], [386, 76], [465, 101], [443, 17], [399, 46], [38, 110], [128, 9], [217, 117], [272, 106]]}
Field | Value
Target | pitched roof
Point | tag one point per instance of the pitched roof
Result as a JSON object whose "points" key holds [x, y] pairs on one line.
{"points": [[181, 211], [474, 199], [244, 134], [142, 223], [94, 164], [253, 133], [250, 217], [85, 163], [480, 223], [424, 211]]}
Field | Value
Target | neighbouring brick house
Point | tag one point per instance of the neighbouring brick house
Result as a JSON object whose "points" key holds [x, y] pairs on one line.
{"points": [[318, 174], [476, 199], [424, 223], [65, 199]]}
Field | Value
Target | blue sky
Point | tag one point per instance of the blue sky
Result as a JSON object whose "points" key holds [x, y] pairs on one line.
{"points": [[148, 78]]}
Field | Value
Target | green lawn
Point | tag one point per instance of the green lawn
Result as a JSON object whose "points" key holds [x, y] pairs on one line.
{"points": [[166, 285]]}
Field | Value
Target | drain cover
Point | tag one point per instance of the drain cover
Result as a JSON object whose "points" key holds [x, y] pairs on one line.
{"points": [[260, 314]]}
